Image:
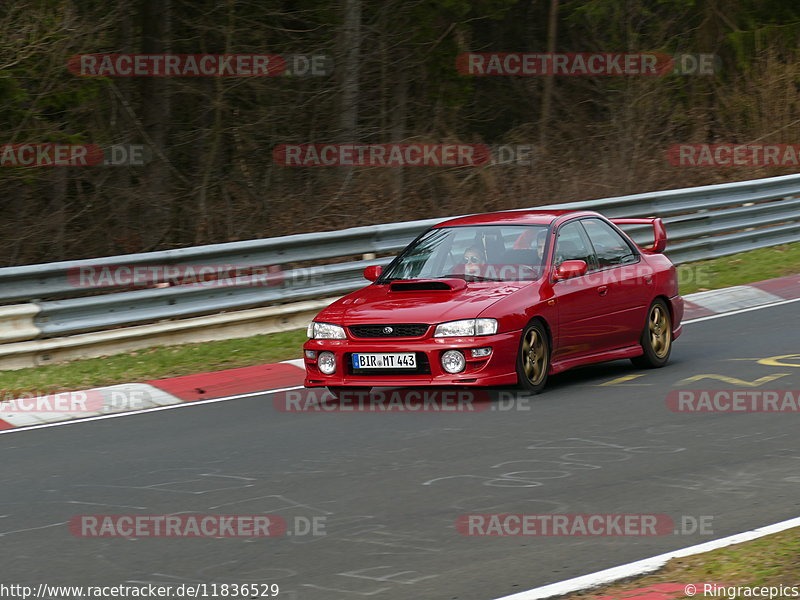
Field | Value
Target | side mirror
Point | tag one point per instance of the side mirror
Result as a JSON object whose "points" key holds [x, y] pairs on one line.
{"points": [[372, 273], [569, 269]]}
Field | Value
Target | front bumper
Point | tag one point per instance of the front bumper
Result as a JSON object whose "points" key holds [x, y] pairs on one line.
{"points": [[499, 368]]}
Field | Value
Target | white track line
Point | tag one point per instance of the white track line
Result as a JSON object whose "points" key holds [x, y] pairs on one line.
{"points": [[647, 565], [739, 311], [181, 404]]}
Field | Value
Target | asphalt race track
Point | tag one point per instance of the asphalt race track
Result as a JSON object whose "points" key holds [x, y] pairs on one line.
{"points": [[391, 486]]}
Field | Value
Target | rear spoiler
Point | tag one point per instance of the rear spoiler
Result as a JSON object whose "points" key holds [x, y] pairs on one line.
{"points": [[659, 232]]}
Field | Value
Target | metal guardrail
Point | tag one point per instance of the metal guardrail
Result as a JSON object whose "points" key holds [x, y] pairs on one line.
{"points": [[702, 223]]}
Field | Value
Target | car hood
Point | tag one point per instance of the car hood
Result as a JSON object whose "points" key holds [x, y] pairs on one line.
{"points": [[381, 304]]}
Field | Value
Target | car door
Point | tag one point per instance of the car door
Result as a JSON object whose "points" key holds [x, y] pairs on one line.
{"points": [[625, 282], [581, 328]]}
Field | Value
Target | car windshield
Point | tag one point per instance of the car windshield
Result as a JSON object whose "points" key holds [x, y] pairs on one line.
{"points": [[476, 253]]}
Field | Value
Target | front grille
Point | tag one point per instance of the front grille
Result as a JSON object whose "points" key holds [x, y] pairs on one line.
{"points": [[403, 330], [423, 367]]}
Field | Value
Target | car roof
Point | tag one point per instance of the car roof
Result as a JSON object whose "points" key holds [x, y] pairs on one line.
{"points": [[514, 217]]}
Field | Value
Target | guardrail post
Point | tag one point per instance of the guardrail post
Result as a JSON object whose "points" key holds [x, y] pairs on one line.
{"points": [[16, 323]]}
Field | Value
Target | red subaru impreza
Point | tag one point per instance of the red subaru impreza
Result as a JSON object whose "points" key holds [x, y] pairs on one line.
{"points": [[501, 298]]}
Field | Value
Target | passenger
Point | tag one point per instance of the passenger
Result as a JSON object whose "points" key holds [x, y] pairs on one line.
{"points": [[538, 245]]}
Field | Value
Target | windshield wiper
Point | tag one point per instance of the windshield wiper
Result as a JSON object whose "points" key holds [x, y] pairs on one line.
{"points": [[469, 278]]}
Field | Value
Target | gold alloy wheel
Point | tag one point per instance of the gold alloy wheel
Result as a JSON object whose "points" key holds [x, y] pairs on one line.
{"points": [[660, 331], [534, 356]]}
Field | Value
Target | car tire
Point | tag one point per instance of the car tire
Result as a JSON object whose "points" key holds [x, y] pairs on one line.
{"points": [[656, 339], [533, 358], [338, 390]]}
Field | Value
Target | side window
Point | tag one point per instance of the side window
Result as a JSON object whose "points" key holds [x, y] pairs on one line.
{"points": [[609, 246], [572, 244]]}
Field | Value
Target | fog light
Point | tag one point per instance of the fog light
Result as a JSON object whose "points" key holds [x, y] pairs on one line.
{"points": [[481, 352], [311, 354], [453, 361], [327, 363]]}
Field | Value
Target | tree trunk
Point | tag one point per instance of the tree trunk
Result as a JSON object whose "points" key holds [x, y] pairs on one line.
{"points": [[156, 32], [351, 63], [547, 95]]}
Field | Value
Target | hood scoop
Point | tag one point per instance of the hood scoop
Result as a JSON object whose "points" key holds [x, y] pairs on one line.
{"points": [[428, 285]]}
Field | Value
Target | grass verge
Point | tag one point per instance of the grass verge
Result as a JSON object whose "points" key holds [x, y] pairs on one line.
{"points": [[768, 561], [156, 362], [159, 362], [738, 269]]}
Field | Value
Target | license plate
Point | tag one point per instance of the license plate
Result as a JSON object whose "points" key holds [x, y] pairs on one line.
{"points": [[384, 360]]}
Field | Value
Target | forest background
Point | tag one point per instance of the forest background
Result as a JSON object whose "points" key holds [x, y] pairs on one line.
{"points": [[212, 178]]}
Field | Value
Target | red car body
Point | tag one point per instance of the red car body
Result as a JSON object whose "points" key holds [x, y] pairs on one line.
{"points": [[596, 316]]}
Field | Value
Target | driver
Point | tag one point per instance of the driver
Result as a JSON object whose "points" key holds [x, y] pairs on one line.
{"points": [[473, 258], [474, 255]]}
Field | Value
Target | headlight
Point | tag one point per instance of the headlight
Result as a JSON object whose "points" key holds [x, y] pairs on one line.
{"points": [[466, 328], [325, 331]]}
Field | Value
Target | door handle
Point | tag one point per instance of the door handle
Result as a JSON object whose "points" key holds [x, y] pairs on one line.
{"points": [[602, 290]]}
